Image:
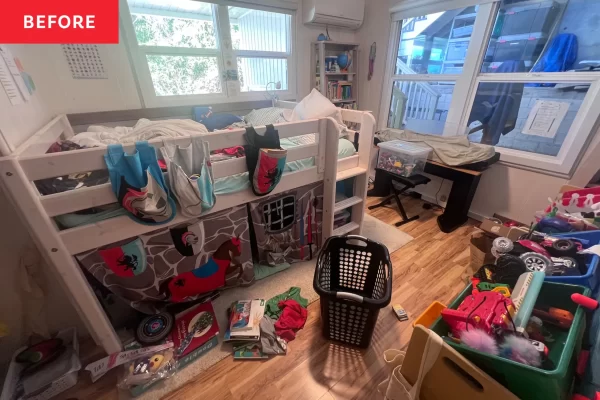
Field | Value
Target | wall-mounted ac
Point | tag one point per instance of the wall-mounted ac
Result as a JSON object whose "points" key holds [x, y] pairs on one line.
{"points": [[336, 13]]}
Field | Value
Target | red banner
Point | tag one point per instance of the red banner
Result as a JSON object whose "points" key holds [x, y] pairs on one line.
{"points": [[59, 21]]}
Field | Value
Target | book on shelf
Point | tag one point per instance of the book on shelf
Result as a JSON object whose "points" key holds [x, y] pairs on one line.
{"points": [[339, 90]]}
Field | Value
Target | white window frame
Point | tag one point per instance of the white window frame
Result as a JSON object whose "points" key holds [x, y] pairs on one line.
{"points": [[230, 91], [468, 81]]}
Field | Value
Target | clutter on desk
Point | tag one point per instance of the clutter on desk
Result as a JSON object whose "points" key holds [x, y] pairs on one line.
{"points": [[45, 369]]}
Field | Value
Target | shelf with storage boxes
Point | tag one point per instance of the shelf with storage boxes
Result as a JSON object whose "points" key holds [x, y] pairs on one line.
{"points": [[334, 69]]}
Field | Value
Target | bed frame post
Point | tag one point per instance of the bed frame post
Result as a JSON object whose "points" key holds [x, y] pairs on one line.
{"points": [[361, 182], [328, 131], [22, 192]]}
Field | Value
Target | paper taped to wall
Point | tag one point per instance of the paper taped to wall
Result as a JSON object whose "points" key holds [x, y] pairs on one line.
{"points": [[545, 118], [14, 71]]}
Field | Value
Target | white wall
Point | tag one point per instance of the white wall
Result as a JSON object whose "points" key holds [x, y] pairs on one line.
{"points": [[511, 192], [19, 122], [63, 94]]}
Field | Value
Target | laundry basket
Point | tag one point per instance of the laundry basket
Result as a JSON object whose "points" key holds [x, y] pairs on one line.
{"points": [[354, 281]]}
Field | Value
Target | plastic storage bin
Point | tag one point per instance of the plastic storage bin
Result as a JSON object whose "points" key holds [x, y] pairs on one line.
{"points": [[66, 381], [354, 281], [402, 158], [525, 381], [591, 278]]}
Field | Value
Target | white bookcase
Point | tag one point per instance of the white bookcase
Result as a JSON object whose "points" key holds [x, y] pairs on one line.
{"points": [[321, 78]]}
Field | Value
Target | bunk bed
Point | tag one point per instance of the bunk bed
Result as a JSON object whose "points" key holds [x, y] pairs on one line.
{"points": [[31, 162]]}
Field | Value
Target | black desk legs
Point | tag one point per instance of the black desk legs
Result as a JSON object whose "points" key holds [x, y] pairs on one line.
{"points": [[459, 202]]}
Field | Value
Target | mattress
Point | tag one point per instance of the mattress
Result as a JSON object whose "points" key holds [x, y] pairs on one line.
{"points": [[226, 185]]}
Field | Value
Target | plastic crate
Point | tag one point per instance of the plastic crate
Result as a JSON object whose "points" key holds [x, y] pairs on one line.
{"points": [[59, 385], [591, 278], [354, 281], [525, 381]]}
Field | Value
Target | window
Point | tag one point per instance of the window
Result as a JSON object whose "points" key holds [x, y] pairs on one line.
{"points": [[279, 215], [469, 71], [191, 52]]}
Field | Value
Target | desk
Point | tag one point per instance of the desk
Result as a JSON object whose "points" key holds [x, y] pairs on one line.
{"points": [[461, 196]]}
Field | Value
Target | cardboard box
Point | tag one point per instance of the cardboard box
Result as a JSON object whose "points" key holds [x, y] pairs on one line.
{"points": [[492, 227]]}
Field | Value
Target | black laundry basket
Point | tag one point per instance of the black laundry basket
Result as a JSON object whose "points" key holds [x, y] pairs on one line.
{"points": [[354, 281]]}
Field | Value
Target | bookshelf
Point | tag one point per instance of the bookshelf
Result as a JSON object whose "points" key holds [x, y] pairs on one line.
{"points": [[339, 86]]}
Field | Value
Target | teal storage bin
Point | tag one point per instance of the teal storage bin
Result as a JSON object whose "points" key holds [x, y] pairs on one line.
{"points": [[528, 382]]}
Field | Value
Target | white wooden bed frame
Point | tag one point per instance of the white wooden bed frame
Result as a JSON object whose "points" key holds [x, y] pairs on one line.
{"points": [[29, 163]]}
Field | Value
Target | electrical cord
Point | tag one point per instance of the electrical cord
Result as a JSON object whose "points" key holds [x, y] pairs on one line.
{"points": [[429, 206]]}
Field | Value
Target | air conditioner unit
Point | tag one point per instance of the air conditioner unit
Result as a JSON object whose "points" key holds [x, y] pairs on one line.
{"points": [[337, 13]]}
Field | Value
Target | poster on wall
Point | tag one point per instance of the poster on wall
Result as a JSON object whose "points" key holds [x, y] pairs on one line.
{"points": [[11, 79], [84, 61], [545, 118]]}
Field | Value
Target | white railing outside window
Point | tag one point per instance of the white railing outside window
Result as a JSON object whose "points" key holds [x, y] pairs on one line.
{"points": [[496, 76]]}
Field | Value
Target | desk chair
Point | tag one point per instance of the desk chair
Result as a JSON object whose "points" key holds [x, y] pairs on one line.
{"points": [[409, 182]]}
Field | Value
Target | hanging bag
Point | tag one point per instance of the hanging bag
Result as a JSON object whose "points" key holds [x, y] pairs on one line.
{"points": [[139, 185], [265, 159], [190, 176], [397, 387]]}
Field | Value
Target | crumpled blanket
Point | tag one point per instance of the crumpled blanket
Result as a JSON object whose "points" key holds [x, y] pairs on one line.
{"points": [[143, 130], [449, 150]]}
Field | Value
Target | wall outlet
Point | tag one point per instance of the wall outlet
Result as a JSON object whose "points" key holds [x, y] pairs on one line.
{"points": [[443, 198]]}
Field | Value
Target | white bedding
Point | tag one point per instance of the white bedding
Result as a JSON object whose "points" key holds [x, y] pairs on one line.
{"points": [[144, 129]]}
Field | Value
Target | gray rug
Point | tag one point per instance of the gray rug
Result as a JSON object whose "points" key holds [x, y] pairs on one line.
{"points": [[300, 275]]}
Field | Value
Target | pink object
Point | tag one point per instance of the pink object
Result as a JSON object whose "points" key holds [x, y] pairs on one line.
{"points": [[533, 246], [479, 340], [582, 397], [483, 310], [291, 320], [584, 301], [582, 362]]}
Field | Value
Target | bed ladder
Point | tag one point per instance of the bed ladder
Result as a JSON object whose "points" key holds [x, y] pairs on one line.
{"points": [[356, 203]]}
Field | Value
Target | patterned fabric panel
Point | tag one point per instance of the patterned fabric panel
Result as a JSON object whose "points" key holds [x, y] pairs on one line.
{"points": [[142, 270], [288, 227]]}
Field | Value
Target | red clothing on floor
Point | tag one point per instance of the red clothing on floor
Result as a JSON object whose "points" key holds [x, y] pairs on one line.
{"points": [[292, 319]]}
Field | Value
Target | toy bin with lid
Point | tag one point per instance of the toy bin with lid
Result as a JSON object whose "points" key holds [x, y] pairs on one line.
{"points": [[527, 382], [402, 158]]}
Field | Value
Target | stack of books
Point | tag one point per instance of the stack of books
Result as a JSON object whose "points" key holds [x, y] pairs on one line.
{"points": [[339, 90], [244, 329]]}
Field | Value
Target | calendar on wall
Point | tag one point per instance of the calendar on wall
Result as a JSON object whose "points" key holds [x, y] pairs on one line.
{"points": [[84, 61]]}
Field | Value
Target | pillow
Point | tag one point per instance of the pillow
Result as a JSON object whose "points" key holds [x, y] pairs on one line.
{"points": [[345, 149], [214, 122], [264, 116], [315, 105]]}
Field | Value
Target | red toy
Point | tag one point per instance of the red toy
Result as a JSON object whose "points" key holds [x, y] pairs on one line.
{"points": [[484, 310], [533, 246], [584, 301]]}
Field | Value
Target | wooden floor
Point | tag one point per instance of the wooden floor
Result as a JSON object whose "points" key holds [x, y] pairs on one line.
{"points": [[427, 269]]}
